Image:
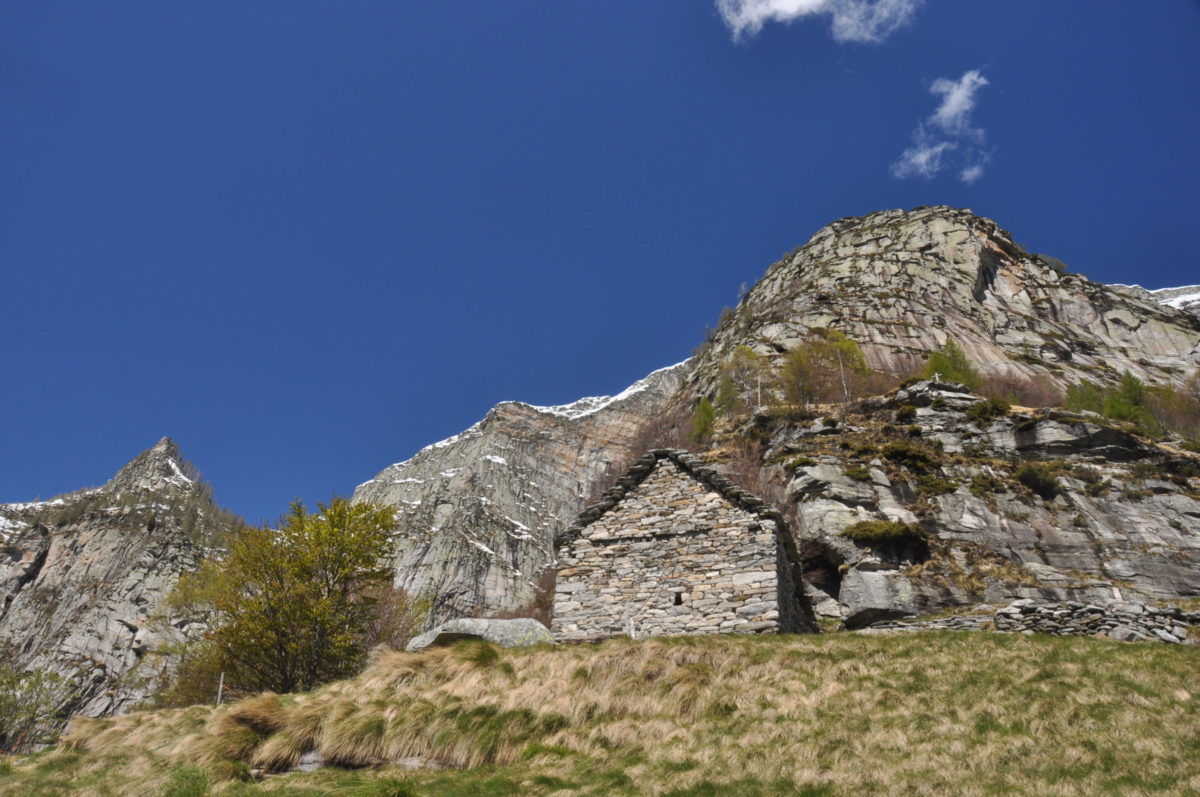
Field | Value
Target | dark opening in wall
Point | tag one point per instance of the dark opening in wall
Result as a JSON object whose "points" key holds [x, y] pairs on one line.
{"points": [[678, 598]]}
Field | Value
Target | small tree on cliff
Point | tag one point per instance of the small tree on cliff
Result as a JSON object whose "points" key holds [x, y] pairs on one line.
{"points": [[828, 366], [292, 607], [951, 363]]}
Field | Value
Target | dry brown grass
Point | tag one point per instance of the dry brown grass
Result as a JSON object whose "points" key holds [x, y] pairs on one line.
{"points": [[840, 714]]}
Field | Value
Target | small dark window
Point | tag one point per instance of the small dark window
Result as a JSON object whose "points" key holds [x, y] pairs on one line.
{"points": [[678, 598]]}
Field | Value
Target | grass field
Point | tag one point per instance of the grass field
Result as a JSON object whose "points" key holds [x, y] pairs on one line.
{"points": [[929, 713]]}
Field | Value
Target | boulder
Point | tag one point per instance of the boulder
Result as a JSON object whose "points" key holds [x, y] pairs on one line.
{"points": [[517, 633]]}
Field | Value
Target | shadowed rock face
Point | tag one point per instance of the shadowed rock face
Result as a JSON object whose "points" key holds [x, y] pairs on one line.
{"points": [[901, 282], [84, 577], [477, 513]]}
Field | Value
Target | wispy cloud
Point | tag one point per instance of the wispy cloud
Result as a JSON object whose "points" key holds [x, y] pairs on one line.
{"points": [[869, 21], [948, 129]]}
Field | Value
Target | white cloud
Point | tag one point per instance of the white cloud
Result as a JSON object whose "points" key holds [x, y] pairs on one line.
{"points": [[958, 100], [948, 127], [971, 173], [869, 21], [922, 159]]}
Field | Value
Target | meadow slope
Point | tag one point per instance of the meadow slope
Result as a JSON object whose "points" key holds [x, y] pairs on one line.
{"points": [[928, 713]]}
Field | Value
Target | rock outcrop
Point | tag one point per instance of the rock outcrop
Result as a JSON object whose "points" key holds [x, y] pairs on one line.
{"points": [[477, 512], [901, 282], [84, 577], [1126, 621], [1040, 504], [519, 632]]}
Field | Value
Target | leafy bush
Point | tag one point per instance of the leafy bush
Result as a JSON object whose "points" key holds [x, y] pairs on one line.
{"points": [[30, 703], [292, 607], [906, 414], [1038, 477]]}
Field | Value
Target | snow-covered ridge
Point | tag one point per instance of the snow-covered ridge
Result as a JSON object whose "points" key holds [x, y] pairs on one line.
{"points": [[590, 405], [580, 408], [1183, 298]]}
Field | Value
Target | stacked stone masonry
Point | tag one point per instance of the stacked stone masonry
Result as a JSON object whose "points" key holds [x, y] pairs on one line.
{"points": [[676, 549], [1128, 621]]}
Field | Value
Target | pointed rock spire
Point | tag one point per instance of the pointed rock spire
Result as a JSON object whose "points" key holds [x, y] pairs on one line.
{"points": [[159, 465]]}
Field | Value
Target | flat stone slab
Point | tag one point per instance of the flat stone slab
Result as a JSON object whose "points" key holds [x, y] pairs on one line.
{"points": [[517, 633]]}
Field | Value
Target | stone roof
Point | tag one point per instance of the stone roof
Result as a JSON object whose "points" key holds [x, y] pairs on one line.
{"points": [[689, 464]]}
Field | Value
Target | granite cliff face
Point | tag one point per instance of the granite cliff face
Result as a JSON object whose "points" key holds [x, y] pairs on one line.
{"points": [[901, 282], [84, 577], [477, 512]]}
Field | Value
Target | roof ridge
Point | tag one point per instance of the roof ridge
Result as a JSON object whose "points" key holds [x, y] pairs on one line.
{"points": [[690, 464]]}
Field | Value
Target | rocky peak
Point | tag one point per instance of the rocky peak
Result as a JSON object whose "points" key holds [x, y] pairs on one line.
{"points": [[84, 577], [159, 467], [901, 282]]}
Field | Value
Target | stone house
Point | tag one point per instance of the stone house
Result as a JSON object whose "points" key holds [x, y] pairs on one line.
{"points": [[676, 548]]}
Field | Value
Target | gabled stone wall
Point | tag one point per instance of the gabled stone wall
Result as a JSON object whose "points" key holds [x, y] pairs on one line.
{"points": [[672, 555]]}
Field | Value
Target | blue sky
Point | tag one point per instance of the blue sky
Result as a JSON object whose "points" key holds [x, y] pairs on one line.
{"points": [[306, 239]]}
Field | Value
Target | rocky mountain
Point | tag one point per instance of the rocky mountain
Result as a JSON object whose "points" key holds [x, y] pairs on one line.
{"points": [[84, 577], [901, 282], [477, 512]]}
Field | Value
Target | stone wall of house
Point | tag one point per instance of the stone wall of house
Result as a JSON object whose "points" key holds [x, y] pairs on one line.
{"points": [[673, 556]]}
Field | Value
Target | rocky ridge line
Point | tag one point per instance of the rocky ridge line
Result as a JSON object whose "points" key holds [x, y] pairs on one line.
{"points": [[901, 282]]}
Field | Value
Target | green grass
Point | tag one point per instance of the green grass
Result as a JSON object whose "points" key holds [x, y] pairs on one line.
{"points": [[835, 714]]}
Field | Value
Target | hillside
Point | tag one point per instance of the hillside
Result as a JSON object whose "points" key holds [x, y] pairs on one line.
{"points": [[939, 713], [477, 511], [84, 577]]}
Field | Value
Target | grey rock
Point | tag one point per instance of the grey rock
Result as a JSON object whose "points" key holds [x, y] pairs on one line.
{"points": [[476, 513], [84, 578], [518, 633]]}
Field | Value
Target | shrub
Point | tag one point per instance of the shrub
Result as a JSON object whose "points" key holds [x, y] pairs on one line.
{"points": [[291, 606], [30, 703], [907, 413], [890, 537], [911, 456], [858, 473], [986, 411], [1015, 389], [950, 363], [703, 419], [935, 485], [1038, 477], [984, 484], [826, 367]]}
